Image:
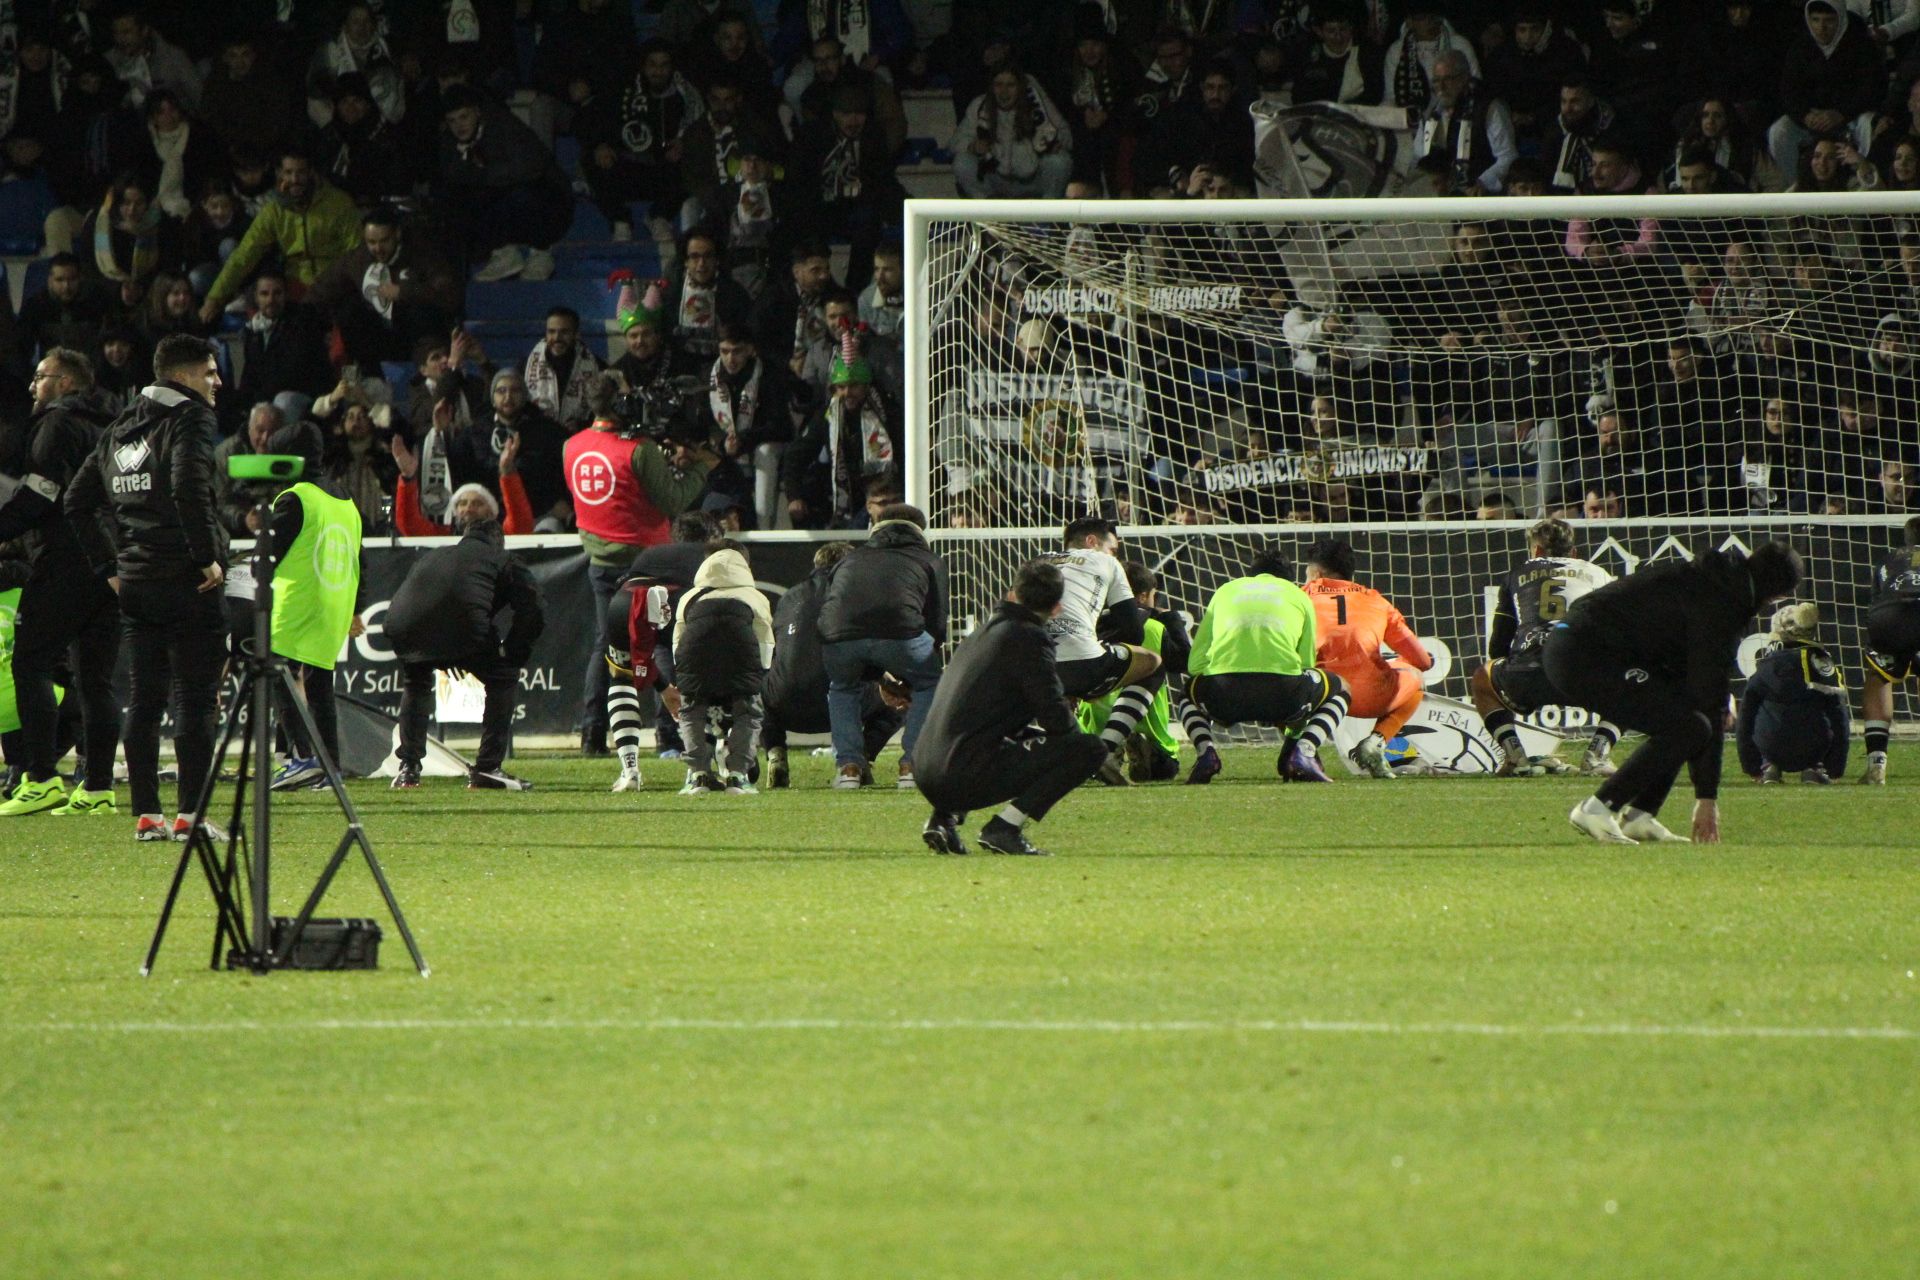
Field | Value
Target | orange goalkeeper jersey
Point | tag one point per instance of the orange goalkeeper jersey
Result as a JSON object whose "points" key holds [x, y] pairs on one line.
{"points": [[1354, 621]]}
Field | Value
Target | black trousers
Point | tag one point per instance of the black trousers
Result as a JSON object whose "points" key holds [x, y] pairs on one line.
{"points": [[177, 639], [1257, 697], [502, 681], [1589, 673], [1034, 774], [878, 721], [76, 618], [317, 684]]}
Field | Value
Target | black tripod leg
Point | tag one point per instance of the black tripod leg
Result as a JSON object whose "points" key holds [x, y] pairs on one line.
{"points": [[226, 910], [356, 834]]}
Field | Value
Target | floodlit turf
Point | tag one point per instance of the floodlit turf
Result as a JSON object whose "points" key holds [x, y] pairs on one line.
{"points": [[1406, 1029]]}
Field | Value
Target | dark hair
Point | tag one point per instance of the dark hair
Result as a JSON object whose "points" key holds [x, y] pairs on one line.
{"points": [[701, 232], [1690, 156], [716, 545], [654, 45], [1776, 569], [1140, 579], [1553, 536], [830, 553], [178, 351], [1527, 169], [292, 151], [694, 526], [381, 215], [733, 331], [805, 250], [838, 293], [60, 260], [1270, 560], [565, 313], [160, 97], [73, 364], [1078, 531], [1039, 586], [1333, 555], [885, 485], [1913, 531], [267, 273]]}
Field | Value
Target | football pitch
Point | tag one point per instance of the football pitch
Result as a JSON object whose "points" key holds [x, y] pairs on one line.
{"points": [[1369, 1029]]}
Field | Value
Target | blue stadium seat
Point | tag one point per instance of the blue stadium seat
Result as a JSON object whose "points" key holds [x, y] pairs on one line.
{"points": [[590, 261], [35, 279], [566, 151], [588, 223], [24, 206], [527, 301], [398, 374]]}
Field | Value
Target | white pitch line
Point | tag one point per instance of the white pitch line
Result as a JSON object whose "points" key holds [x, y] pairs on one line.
{"points": [[1623, 1030]]}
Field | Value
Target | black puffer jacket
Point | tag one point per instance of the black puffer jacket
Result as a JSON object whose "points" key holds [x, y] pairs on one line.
{"points": [[447, 609], [797, 680], [61, 441], [143, 505], [891, 588]]}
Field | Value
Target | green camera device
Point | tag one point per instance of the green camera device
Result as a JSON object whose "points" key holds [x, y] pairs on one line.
{"points": [[265, 466]]}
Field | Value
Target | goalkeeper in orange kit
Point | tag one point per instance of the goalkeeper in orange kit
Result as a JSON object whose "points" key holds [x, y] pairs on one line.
{"points": [[1354, 621]]}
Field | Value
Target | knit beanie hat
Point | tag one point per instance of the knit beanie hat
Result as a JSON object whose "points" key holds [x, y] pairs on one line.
{"points": [[1796, 623], [849, 366]]}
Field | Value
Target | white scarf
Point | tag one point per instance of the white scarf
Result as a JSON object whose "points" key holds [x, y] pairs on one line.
{"points": [[436, 476], [697, 306], [378, 273], [845, 20], [725, 416], [752, 216], [876, 447], [543, 384], [172, 150]]}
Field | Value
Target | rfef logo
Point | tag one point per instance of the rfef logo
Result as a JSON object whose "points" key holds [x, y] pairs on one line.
{"points": [[593, 478]]}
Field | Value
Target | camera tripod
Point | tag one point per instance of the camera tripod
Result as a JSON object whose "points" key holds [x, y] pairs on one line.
{"points": [[247, 862]]}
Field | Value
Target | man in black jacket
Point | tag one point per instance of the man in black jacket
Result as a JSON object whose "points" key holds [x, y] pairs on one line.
{"points": [[148, 489], [283, 353], [976, 750], [63, 605], [1652, 652], [796, 685], [885, 613], [445, 616]]}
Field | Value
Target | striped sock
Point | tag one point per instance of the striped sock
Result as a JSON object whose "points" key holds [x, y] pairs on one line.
{"points": [[1320, 728], [1500, 725], [1194, 721], [623, 723], [1129, 709], [1605, 735], [1879, 734]]}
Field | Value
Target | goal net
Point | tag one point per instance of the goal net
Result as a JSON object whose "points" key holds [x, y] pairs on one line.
{"points": [[1422, 377]]}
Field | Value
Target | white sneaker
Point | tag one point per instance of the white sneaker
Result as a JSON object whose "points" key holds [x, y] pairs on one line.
{"points": [[1876, 774], [540, 265], [1644, 828], [628, 782], [1592, 818], [738, 784], [506, 262], [622, 231], [1370, 753], [1595, 765]]}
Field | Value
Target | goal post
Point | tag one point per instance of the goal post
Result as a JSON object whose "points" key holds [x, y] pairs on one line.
{"points": [[1671, 371]]}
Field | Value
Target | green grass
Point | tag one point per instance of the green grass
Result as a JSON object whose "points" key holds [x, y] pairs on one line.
{"points": [[1244, 1030]]}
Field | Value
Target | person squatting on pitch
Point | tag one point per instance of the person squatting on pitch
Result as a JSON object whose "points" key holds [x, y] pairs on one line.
{"points": [[1794, 716]]}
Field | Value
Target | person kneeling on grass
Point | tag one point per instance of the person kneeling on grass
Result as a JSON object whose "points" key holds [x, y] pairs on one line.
{"points": [[1793, 713], [722, 643], [976, 748]]}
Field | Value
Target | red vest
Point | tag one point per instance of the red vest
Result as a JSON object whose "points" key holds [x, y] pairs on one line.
{"points": [[608, 501]]}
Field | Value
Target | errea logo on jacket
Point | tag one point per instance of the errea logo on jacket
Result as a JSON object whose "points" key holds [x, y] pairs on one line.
{"points": [[130, 460]]}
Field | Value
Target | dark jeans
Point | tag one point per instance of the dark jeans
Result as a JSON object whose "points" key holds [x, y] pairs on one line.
{"points": [[177, 638], [488, 217], [78, 616], [1588, 673], [502, 681], [878, 722], [602, 582], [852, 665], [631, 181], [1035, 774], [371, 341]]}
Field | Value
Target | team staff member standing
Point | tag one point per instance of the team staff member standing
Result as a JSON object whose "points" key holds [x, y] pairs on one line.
{"points": [[626, 493], [63, 605], [149, 489], [1652, 652], [313, 543]]}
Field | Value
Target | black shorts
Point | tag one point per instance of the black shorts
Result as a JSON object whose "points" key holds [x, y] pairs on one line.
{"points": [[1091, 678], [1893, 641], [1521, 684], [1261, 698]]}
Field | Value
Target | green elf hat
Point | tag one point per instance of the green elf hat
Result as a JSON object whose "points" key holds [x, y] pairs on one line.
{"points": [[631, 309], [850, 368]]}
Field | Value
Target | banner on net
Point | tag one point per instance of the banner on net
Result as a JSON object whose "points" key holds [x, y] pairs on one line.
{"points": [[1323, 150], [1290, 467]]}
